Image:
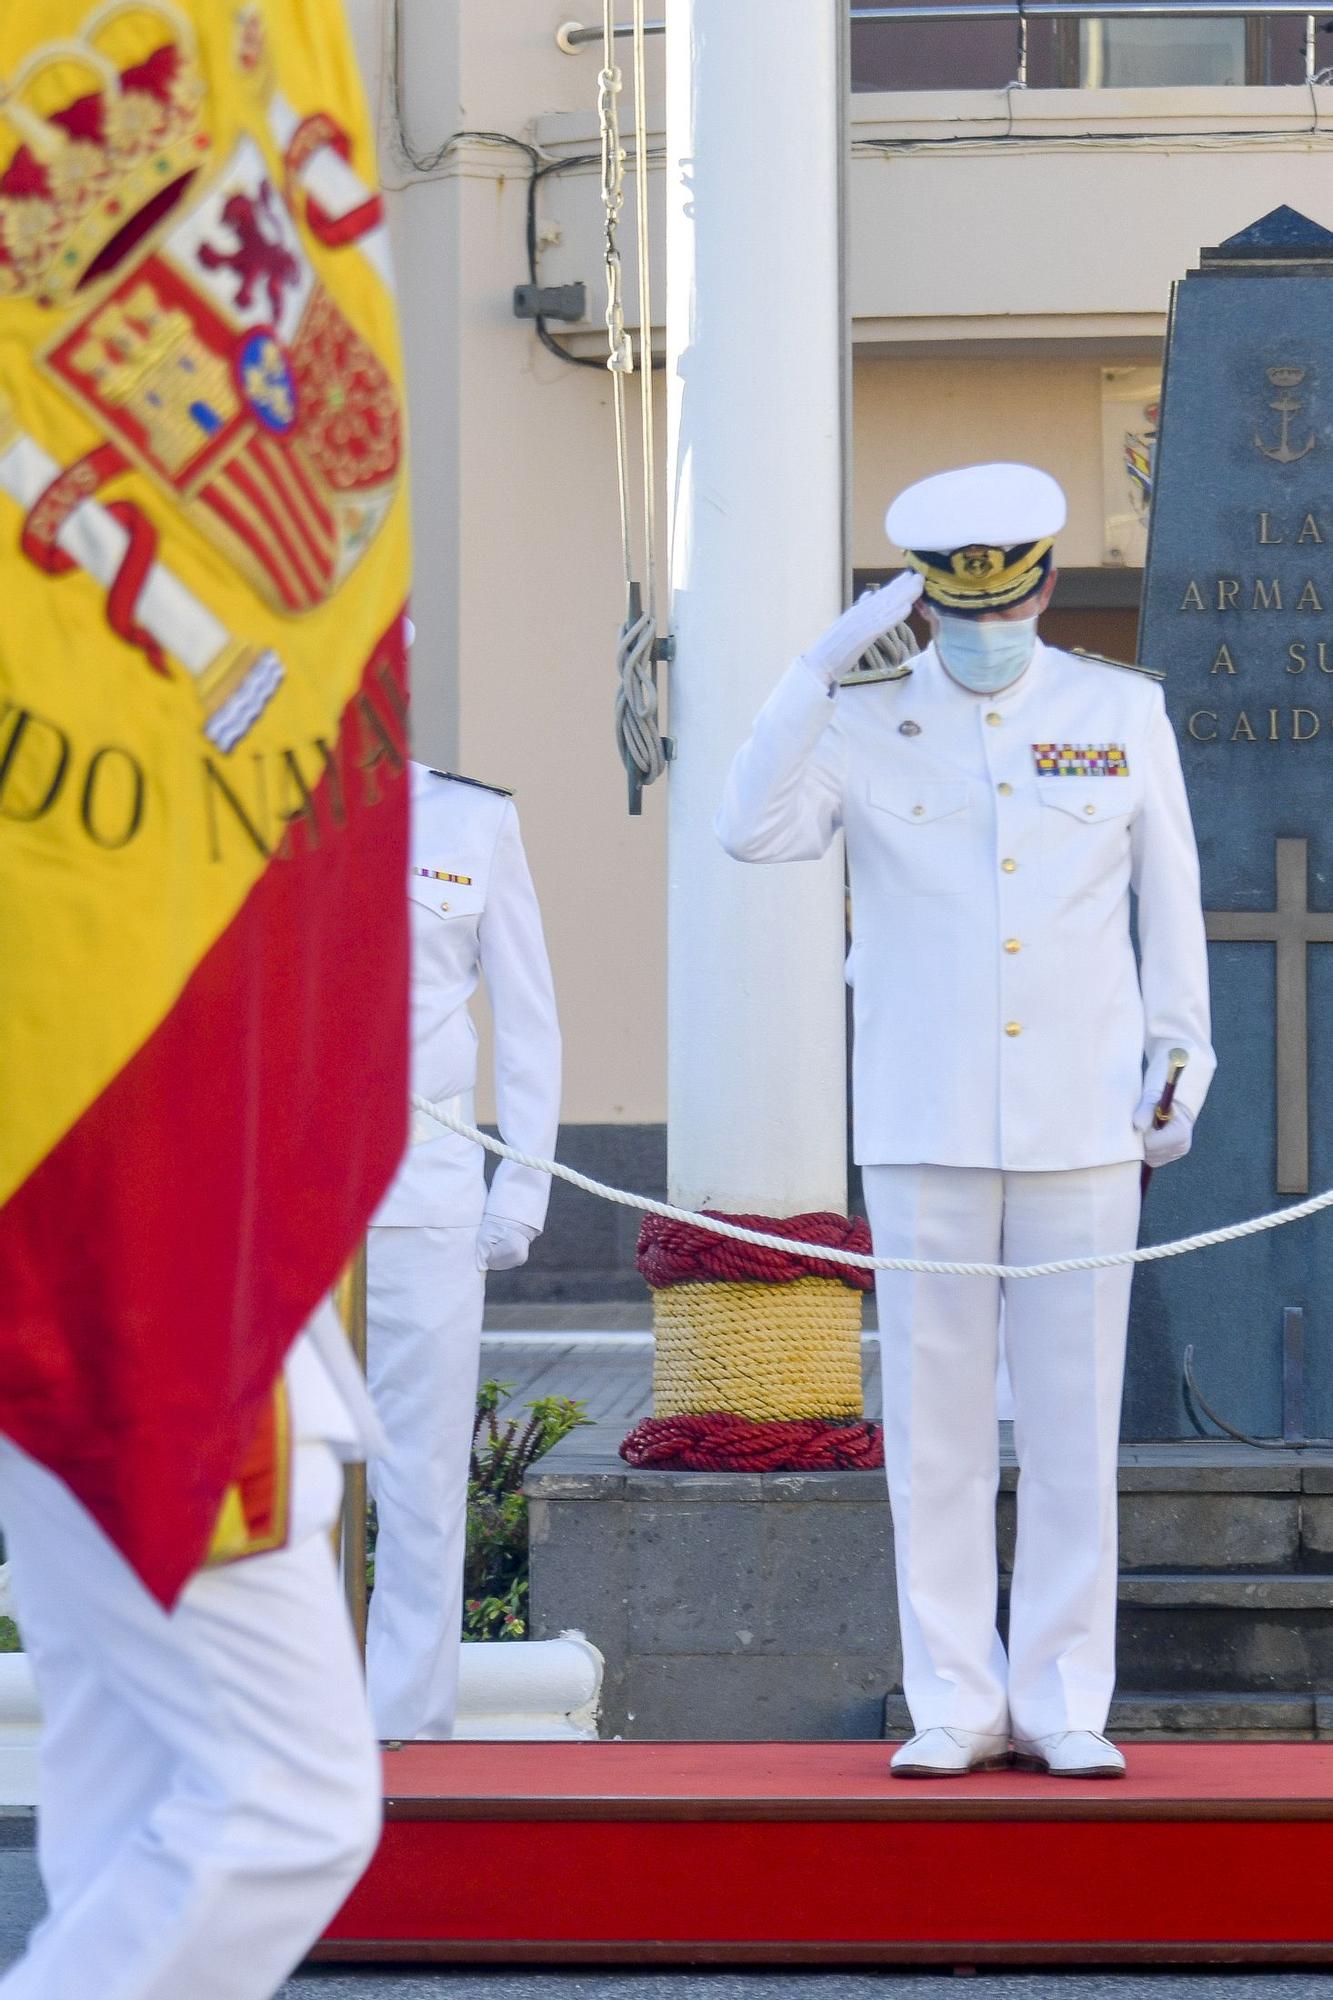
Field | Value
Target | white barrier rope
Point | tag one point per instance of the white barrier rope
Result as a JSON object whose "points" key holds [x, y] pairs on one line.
{"points": [[1151, 1253]]}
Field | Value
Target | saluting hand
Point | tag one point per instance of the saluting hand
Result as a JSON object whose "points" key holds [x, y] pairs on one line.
{"points": [[837, 651]]}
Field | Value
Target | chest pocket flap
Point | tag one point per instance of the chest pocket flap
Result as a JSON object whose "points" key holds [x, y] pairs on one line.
{"points": [[1095, 801], [919, 803]]}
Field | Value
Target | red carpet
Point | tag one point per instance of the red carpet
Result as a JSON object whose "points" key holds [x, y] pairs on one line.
{"points": [[808, 1851]]}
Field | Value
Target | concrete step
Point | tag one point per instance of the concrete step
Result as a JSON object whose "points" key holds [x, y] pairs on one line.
{"points": [[1164, 1716], [1203, 1510], [1191, 1633], [1188, 1590]]}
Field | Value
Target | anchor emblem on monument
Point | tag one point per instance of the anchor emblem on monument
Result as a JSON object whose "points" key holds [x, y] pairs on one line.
{"points": [[1287, 405]]}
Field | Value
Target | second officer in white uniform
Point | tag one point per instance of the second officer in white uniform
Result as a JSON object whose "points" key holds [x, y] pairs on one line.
{"points": [[474, 917], [1000, 801]]}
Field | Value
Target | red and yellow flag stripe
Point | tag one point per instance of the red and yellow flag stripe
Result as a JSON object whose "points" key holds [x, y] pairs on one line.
{"points": [[203, 989]]}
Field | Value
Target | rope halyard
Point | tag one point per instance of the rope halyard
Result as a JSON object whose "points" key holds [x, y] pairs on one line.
{"points": [[1150, 1253], [638, 734], [643, 750]]}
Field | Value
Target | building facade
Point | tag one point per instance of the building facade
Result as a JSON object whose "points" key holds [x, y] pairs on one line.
{"points": [[1010, 254]]}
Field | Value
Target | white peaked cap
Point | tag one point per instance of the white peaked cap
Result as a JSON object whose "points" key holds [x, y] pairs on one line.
{"points": [[997, 506]]}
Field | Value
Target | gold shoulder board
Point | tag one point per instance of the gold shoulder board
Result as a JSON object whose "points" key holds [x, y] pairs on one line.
{"points": [[1125, 666], [871, 676], [480, 783]]}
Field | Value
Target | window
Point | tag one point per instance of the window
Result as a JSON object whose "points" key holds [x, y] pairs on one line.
{"points": [[982, 54], [1122, 54], [947, 55]]}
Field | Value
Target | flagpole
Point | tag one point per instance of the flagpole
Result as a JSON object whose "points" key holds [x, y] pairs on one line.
{"points": [[354, 1523]]}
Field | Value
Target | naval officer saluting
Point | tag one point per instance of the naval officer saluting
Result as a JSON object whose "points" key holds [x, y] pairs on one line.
{"points": [[474, 918], [999, 802]]}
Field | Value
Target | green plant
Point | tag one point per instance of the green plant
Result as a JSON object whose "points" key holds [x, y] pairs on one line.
{"points": [[495, 1567]]}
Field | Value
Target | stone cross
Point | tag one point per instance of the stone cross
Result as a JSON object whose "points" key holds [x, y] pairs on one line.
{"points": [[1292, 927]]}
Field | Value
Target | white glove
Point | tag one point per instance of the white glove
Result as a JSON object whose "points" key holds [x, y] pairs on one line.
{"points": [[501, 1245], [1165, 1143], [837, 651]]}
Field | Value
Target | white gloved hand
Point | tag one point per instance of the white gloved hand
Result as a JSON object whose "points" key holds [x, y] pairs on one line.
{"points": [[837, 651], [1165, 1143], [502, 1245]]}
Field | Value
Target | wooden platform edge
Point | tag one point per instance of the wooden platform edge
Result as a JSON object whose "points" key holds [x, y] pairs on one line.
{"points": [[920, 1802], [529, 1951]]}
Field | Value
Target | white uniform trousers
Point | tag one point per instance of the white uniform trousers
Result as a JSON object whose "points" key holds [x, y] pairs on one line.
{"points": [[1065, 1341], [425, 1298], [210, 1784]]}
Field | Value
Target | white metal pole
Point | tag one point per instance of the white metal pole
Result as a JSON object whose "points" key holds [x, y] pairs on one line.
{"points": [[757, 1065]]}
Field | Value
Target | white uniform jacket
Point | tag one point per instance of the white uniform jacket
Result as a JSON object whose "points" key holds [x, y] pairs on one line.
{"points": [[474, 915], [992, 843]]}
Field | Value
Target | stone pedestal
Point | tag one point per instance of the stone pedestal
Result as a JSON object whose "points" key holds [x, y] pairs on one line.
{"points": [[726, 1605], [741, 1606]]}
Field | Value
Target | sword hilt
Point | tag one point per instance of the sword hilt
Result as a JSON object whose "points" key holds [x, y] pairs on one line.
{"points": [[1177, 1063]]}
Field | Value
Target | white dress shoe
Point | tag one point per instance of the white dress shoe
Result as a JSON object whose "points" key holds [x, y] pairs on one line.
{"points": [[949, 1753], [1070, 1753]]}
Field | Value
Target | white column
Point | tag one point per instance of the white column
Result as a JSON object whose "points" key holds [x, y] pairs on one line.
{"points": [[757, 1092], [427, 224]]}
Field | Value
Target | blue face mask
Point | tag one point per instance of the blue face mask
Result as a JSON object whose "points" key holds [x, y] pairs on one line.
{"points": [[986, 655]]}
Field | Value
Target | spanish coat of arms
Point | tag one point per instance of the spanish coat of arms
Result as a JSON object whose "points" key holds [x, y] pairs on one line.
{"points": [[196, 334]]}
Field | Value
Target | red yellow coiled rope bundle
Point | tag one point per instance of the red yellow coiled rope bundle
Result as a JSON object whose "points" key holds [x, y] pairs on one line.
{"points": [[758, 1352]]}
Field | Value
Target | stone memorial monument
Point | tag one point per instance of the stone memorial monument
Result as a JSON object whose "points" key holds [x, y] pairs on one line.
{"points": [[1238, 616]]}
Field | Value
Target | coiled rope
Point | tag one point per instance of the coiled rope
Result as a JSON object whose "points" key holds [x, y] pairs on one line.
{"points": [[684, 1253], [757, 1353], [717, 1441], [1150, 1253]]}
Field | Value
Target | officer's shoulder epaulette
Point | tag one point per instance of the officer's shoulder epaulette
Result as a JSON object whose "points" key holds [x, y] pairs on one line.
{"points": [[872, 676], [1125, 666], [480, 783]]}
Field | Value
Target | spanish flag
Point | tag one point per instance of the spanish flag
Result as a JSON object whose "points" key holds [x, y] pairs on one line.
{"points": [[204, 566]]}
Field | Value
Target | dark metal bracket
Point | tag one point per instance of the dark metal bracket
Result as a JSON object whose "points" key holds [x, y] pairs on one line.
{"points": [[1294, 1436], [551, 302]]}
